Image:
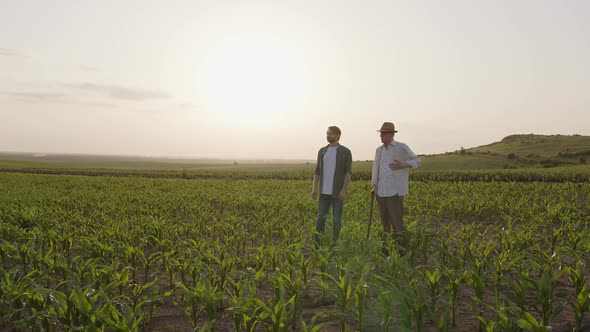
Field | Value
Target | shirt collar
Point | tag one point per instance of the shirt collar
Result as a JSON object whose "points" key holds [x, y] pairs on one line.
{"points": [[393, 143]]}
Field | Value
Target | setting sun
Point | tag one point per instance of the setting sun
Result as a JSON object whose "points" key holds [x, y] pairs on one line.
{"points": [[252, 76]]}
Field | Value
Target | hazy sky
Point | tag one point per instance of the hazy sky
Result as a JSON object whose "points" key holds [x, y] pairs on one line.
{"points": [[264, 79]]}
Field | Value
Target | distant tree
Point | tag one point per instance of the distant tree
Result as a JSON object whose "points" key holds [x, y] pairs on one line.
{"points": [[235, 162], [583, 160], [511, 156], [462, 151]]}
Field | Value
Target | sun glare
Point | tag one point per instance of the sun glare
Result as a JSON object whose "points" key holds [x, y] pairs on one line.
{"points": [[252, 77]]}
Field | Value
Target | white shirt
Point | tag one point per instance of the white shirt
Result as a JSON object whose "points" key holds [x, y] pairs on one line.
{"points": [[392, 182], [328, 170]]}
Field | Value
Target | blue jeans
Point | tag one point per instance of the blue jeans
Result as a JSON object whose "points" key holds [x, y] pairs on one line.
{"points": [[323, 210]]}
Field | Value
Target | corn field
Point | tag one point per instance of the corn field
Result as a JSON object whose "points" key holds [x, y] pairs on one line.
{"points": [[170, 254]]}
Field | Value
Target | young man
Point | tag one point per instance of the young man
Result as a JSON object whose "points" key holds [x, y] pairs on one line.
{"points": [[332, 172], [390, 181]]}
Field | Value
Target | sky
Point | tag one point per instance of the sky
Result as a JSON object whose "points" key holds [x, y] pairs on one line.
{"points": [[264, 79]]}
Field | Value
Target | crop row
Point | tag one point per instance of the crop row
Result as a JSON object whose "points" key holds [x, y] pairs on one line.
{"points": [[361, 172]]}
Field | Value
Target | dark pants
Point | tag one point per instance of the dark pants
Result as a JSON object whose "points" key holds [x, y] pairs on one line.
{"points": [[323, 209], [391, 211]]}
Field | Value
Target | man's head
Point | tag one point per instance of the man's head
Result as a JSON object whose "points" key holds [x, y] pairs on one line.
{"points": [[333, 134], [387, 132]]}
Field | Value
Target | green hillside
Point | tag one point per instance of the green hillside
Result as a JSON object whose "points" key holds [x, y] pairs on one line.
{"points": [[538, 145], [517, 151]]}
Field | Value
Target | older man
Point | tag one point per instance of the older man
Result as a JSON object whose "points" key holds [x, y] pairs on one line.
{"points": [[333, 174], [390, 181]]}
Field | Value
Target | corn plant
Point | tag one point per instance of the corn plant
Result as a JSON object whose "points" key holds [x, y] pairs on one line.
{"points": [[386, 301], [244, 313], [360, 301], [581, 306], [433, 283], [202, 297], [413, 304], [529, 323], [546, 289], [276, 318], [454, 280], [342, 291]]}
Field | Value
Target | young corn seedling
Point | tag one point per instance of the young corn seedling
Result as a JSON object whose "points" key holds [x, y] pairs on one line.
{"points": [[360, 302], [519, 289], [322, 257], [529, 323], [413, 304], [144, 298], [502, 264], [244, 316], [476, 280], [136, 258], [293, 285], [276, 318], [454, 280], [546, 289], [314, 327], [386, 300], [581, 306], [576, 276], [433, 284], [13, 294], [342, 293], [202, 297], [547, 286]]}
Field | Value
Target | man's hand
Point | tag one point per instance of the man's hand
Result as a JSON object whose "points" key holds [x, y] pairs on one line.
{"points": [[396, 164], [342, 195], [314, 194], [372, 194]]}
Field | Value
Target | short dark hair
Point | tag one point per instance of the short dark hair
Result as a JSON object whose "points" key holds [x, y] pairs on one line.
{"points": [[335, 130]]}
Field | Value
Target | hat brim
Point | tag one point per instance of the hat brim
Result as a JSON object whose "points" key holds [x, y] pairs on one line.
{"points": [[386, 131]]}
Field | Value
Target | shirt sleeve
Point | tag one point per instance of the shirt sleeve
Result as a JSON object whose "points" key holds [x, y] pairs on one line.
{"points": [[317, 164], [374, 172], [413, 160], [348, 163]]}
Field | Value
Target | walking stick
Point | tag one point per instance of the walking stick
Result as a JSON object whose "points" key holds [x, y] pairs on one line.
{"points": [[370, 216]]}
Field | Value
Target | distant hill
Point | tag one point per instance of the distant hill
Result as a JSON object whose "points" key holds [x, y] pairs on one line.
{"points": [[516, 151], [538, 145]]}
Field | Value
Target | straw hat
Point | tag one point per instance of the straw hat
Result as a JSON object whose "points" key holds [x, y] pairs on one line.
{"points": [[387, 127]]}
